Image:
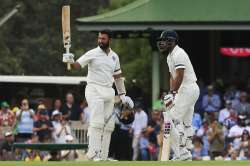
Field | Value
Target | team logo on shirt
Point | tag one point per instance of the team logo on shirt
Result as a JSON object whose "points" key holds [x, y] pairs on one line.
{"points": [[113, 57]]}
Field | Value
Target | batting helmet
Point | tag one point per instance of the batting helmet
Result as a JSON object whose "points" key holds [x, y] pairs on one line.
{"points": [[169, 35]]}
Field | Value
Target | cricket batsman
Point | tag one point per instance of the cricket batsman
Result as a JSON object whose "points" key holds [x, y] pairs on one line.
{"points": [[182, 96], [103, 69]]}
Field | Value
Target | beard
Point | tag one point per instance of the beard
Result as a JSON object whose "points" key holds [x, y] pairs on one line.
{"points": [[103, 46]]}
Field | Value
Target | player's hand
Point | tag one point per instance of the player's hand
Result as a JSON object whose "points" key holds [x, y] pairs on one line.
{"points": [[168, 100], [68, 58], [126, 100]]}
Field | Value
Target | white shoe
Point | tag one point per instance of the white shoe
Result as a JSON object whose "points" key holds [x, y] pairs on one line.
{"points": [[97, 159], [186, 156], [175, 159], [111, 159]]}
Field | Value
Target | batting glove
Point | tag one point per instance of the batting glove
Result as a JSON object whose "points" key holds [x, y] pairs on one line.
{"points": [[126, 100], [169, 100], [68, 58]]}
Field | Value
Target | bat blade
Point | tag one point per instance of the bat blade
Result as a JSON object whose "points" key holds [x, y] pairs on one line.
{"points": [[66, 29], [165, 152], [66, 25]]}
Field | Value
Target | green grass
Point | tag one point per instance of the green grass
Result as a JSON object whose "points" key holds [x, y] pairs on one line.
{"points": [[121, 163]]}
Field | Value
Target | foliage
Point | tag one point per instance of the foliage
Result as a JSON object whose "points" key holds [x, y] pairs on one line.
{"points": [[31, 41], [135, 56]]}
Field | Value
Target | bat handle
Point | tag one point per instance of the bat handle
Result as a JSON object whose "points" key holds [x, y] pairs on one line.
{"points": [[68, 66], [67, 51]]}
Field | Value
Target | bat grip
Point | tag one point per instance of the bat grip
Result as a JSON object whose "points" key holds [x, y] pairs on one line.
{"points": [[67, 51], [68, 66]]}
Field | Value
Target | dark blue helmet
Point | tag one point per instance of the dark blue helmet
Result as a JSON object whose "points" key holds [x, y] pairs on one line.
{"points": [[169, 35]]}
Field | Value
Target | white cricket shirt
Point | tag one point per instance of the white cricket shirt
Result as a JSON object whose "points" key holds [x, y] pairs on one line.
{"points": [[177, 59], [101, 66]]}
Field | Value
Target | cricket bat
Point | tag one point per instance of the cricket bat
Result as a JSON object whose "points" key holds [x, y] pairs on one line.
{"points": [[165, 150], [66, 30]]}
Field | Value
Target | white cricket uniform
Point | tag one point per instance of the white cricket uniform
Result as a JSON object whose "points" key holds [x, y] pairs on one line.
{"points": [[188, 92], [100, 97], [181, 113], [99, 92]]}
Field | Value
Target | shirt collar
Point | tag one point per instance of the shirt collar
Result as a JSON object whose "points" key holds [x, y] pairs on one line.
{"points": [[99, 48], [174, 50]]}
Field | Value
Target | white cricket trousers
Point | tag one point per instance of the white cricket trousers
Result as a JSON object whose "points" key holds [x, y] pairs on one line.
{"points": [[182, 115], [101, 104], [185, 100]]}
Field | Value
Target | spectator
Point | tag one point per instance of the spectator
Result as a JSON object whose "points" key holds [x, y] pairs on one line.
{"points": [[236, 131], [202, 133], [231, 93], [54, 156], [144, 145], [69, 155], [140, 122], [57, 105], [61, 128], [7, 119], [40, 107], [244, 145], [34, 139], [121, 140], [216, 139], [43, 127], [243, 107], [70, 110], [25, 120], [233, 156], [226, 112], [211, 102], [33, 155], [85, 115], [7, 147], [198, 152], [153, 129], [196, 122]]}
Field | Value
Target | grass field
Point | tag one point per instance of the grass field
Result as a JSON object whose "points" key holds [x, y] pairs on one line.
{"points": [[131, 163]]}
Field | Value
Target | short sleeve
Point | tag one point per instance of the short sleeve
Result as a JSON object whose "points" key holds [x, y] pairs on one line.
{"points": [[117, 66], [84, 59], [179, 61]]}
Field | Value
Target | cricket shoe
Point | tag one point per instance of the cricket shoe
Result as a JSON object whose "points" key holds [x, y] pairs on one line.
{"points": [[94, 158], [186, 156], [111, 159]]}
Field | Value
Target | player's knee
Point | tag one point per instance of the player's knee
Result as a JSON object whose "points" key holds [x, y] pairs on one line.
{"points": [[97, 128], [109, 128]]}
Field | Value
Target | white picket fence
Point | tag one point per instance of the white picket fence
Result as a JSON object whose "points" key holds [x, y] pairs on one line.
{"points": [[79, 131]]}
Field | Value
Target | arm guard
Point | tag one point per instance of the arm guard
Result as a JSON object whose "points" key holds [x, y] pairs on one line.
{"points": [[119, 84]]}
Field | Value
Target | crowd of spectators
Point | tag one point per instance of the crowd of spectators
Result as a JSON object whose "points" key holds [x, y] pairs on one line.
{"points": [[23, 124], [221, 124]]}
